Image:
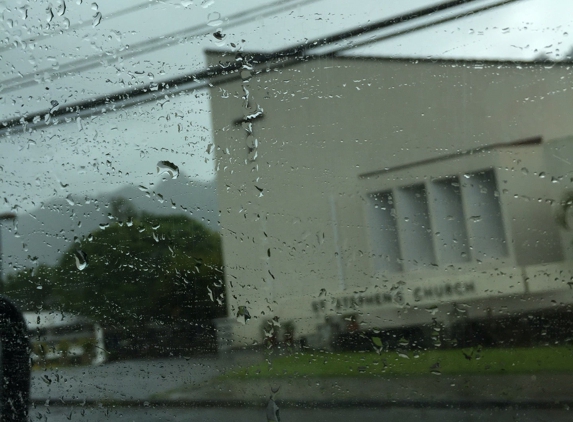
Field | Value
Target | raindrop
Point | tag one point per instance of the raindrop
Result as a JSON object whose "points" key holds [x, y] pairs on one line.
{"points": [[61, 8], [219, 35], [475, 218], [243, 315], [49, 14], [97, 19], [95, 7], [81, 259], [214, 19], [252, 155], [542, 175], [435, 369], [24, 12], [206, 3], [55, 106], [70, 200], [155, 237], [252, 142], [168, 167], [104, 226]]}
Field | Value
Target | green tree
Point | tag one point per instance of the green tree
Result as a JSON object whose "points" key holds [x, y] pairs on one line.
{"points": [[30, 289], [142, 269]]}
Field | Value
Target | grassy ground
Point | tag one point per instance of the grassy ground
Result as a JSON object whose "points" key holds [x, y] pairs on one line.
{"points": [[447, 362]]}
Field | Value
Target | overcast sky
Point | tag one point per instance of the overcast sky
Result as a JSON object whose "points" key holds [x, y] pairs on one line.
{"points": [[51, 54]]}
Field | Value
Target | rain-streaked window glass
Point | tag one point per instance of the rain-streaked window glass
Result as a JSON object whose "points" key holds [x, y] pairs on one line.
{"points": [[291, 210]]}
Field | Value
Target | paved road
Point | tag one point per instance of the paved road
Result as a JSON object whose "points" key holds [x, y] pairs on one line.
{"points": [[47, 414], [134, 380]]}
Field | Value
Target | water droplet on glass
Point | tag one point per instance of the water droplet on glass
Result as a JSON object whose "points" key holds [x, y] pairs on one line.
{"points": [[55, 106], [61, 8], [23, 12], [214, 19], [95, 7], [97, 19], [49, 14], [542, 175], [243, 315], [70, 200], [169, 168], [206, 3], [251, 141], [81, 259]]}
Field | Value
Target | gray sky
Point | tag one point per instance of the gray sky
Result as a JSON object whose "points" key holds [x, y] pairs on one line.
{"points": [[101, 153]]}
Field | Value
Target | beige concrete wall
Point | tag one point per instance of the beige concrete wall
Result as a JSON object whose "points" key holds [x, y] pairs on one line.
{"points": [[294, 220]]}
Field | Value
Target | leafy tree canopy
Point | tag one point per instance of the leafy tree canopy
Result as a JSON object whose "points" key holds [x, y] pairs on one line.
{"points": [[140, 269]]}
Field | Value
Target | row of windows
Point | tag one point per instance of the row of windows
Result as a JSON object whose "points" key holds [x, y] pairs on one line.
{"points": [[447, 221]]}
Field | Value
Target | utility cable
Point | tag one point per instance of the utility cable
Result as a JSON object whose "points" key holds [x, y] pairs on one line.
{"points": [[420, 27], [81, 25], [146, 46], [215, 75]]}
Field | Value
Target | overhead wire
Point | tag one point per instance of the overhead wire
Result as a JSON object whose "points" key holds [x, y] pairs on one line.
{"points": [[421, 27], [119, 13], [146, 46], [220, 74]]}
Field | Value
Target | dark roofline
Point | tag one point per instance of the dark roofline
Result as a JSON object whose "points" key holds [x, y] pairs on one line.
{"points": [[536, 140], [265, 58], [297, 52], [215, 75]]}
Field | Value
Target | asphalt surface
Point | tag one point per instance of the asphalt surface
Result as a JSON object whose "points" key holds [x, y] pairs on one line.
{"points": [[184, 389], [156, 414], [132, 380]]}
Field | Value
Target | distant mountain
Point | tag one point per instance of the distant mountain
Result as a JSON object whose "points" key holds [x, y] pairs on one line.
{"points": [[42, 235]]}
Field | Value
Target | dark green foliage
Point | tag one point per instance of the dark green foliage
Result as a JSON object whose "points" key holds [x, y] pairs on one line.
{"points": [[143, 269]]}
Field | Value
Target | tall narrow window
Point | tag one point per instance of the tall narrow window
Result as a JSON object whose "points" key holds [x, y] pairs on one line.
{"points": [[483, 215], [414, 227], [448, 221], [384, 231]]}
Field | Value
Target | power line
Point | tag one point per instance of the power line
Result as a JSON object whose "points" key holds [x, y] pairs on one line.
{"points": [[422, 27], [147, 46], [386, 23], [80, 25], [223, 74]]}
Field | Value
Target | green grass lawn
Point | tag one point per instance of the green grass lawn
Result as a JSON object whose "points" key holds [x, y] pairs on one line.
{"points": [[446, 362]]}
